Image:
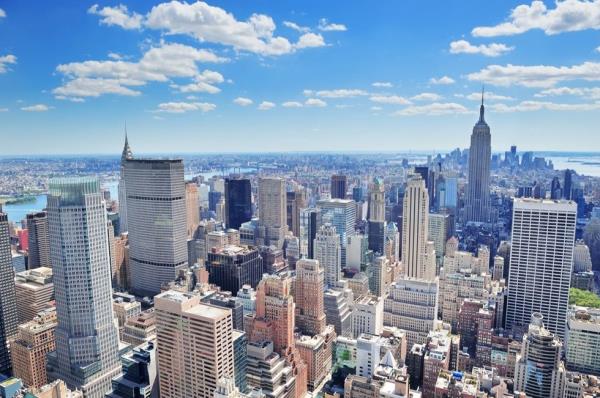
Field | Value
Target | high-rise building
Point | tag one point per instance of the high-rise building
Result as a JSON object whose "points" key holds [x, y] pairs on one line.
{"points": [[38, 239], [240, 360], [34, 291], [440, 229], [238, 202], [231, 267], [367, 316], [539, 370], [138, 379], [338, 310], [582, 340], [125, 156], [140, 329], [541, 259], [341, 213], [295, 202], [8, 306], [195, 345], [87, 339], [338, 186], [309, 287], [418, 254], [376, 200], [568, 185], [272, 211], [156, 217], [192, 209], [328, 252], [377, 271], [310, 220], [33, 341], [477, 198], [269, 371]]}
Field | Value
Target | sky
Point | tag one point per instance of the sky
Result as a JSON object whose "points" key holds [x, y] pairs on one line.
{"points": [[252, 76]]}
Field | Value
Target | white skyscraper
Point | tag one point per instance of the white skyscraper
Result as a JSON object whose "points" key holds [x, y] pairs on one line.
{"points": [[541, 259], [418, 255], [87, 339], [329, 253], [272, 210], [341, 213]]}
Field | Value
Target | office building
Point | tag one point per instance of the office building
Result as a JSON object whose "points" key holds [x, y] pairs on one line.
{"points": [[376, 200], [272, 211], [295, 202], [341, 213], [194, 337], [367, 316], [231, 267], [34, 291], [33, 341], [138, 379], [377, 272], [418, 254], [310, 220], [541, 259], [582, 340], [568, 185], [339, 186], [582, 260], [328, 253], [225, 299], [156, 218], [477, 198], [269, 371], [308, 295], [238, 202], [247, 297], [8, 306], [140, 329], [240, 360], [338, 310], [316, 352], [38, 240], [87, 339], [440, 230], [121, 272], [192, 209], [126, 155]]}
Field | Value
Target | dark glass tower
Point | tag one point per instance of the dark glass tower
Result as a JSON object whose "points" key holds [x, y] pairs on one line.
{"points": [[338, 186], [238, 202], [39, 242], [234, 266]]}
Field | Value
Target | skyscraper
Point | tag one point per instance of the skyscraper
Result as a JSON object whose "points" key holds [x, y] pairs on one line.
{"points": [[87, 339], [238, 202], [39, 242], [308, 292], [125, 155], [231, 267], [156, 216], [477, 199], [328, 253], [8, 306], [568, 185], [341, 213], [272, 211], [338, 186], [191, 207], [541, 258], [376, 200], [418, 255], [310, 219]]}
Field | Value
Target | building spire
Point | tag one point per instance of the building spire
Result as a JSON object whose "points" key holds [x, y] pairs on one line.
{"points": [[127, 154], [482, 108]]}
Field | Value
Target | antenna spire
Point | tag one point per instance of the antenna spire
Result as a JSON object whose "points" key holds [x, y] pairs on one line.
{"points": [[481, 108]]}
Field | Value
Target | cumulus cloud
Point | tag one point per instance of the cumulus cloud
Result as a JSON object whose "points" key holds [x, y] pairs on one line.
{"points": [[588, 92], [5, 60], [326, 26], [2, 13], [426, 97], [382, 84], [488, 96], [542, 76], [296, 27], [292, 104], [390, 99], [266, 105], [315, 102], [182, 107], [442, 80], [337, 93], [158, 64], [532, 106], [203, 83], [242, 101], [308, 40], [119, 16], [567, 16], [489, 50], [36, 108], [435, 108]]}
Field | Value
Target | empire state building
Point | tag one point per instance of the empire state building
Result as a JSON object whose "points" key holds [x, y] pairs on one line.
{"points": [[477, 201]]}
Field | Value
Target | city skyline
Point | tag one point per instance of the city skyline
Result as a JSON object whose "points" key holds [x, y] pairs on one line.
{"points": [[283, 77]]}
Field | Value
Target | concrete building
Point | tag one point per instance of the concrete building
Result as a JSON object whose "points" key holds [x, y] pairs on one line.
{"points": [[138, 379], [156, 217], [338, 310], [316, 353], [121, 272], [272, 211], [308, 294], [247, 297], [140, 329], [341, 213], [125, 307], [192, 208], [328, 252], [38, 239], [34, 290], [541, 259], [87, 339], [367, 316], [194, 337], [269, 371], [437, 358], [582, 260], [376, 200], [231, 267], [582, 340], [440, 230], [377, 271]]}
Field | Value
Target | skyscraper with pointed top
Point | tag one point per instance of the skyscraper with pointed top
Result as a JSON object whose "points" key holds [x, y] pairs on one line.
{"points": [[477, 201], [125, 155]]}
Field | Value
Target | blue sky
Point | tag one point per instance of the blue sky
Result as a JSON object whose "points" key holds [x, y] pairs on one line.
{"points": [[228, 76]]}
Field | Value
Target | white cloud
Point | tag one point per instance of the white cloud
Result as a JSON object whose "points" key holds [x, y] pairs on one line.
{"points": [[326, 26], [390, 99], [435, 108], [315, 102], [118, 16], [242, 101], [72, 99], [36, 108], [588, 92], [567, 16], [3, 109], [158, 64], [489, 50], [382, 84], [2, 13], [338, 93], [532, 106], [309, 40], [376, 108], [442, 80], [426, 97], [292, 104], [115, 56], [5, 60], [182, 107], [296, 27], [266, 105], [488, 95], [203, 83], [542, 76]]}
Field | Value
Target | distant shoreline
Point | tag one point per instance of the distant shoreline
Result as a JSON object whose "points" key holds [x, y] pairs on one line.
{"points": [[17, 200]]}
